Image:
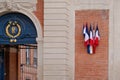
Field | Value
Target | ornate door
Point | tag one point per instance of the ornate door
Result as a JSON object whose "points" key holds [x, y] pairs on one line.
{"points": [[1, 65]]}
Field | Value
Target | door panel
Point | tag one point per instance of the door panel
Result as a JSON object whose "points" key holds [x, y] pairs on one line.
{"points": [[1, 64]]}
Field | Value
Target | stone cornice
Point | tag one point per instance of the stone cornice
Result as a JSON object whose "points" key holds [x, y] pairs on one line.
{"points": [[17, 5]]}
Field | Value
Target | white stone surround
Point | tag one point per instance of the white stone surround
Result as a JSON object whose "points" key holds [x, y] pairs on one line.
{"points": [[56, 40]]}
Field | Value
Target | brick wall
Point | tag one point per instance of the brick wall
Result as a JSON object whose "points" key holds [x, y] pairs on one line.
{"points": [[91, 67], [40, 11]]}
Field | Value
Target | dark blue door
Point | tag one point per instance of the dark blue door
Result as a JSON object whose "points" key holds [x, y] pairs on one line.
{"points": [[1, 65]]}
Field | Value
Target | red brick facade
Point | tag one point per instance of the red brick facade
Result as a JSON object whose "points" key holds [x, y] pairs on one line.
{"points": [[91, 67], [40, 11]]}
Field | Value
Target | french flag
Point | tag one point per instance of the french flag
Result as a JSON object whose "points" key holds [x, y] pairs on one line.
{"points": [[84, 30], [94, 46], [97, 36], [91, 40], [86, 39]]}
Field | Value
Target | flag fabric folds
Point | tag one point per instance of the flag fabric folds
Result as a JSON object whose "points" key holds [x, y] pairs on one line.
{"points": [[91, 38], [84, 30], [94, 46], [86, 38], [97, 36]]}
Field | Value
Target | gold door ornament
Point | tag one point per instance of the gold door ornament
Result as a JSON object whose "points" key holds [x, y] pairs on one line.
{"points": [[13, 30]]}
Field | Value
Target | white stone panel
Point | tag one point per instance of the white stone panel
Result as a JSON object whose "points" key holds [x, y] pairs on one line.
{"points": [[55, 56], [55, 61], [54, 67], [55, 45], [56, 16], [55, 5], [55, 33], [29, 1], [55, 50], [55, 39], [55, 1], [2, 0], [54, 78], [116, 63], [55, 28], [54, 73], [55, 10], [91, 1], [55, 22]]}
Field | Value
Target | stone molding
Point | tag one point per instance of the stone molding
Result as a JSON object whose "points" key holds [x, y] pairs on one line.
{"points": [[17, 5], [91, 2]]}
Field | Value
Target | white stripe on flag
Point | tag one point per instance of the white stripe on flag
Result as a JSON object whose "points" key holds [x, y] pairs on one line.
{"points": [[97, 35], [91, 49]]}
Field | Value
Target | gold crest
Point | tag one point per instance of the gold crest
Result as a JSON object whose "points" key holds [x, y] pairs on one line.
{"points": [[11, 29]]}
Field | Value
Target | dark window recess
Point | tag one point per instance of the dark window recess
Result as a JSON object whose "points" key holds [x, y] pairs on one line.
{"points": [[28, 79]]}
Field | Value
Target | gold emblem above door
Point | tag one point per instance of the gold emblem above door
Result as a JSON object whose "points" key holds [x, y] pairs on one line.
{"points": [[13, 30]]}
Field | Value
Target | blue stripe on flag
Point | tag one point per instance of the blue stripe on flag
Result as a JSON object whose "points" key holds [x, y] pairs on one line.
{"points": [[88, 49]]}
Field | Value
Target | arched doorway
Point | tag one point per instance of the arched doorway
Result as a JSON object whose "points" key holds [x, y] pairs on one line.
{"points": [[17, 35]]}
